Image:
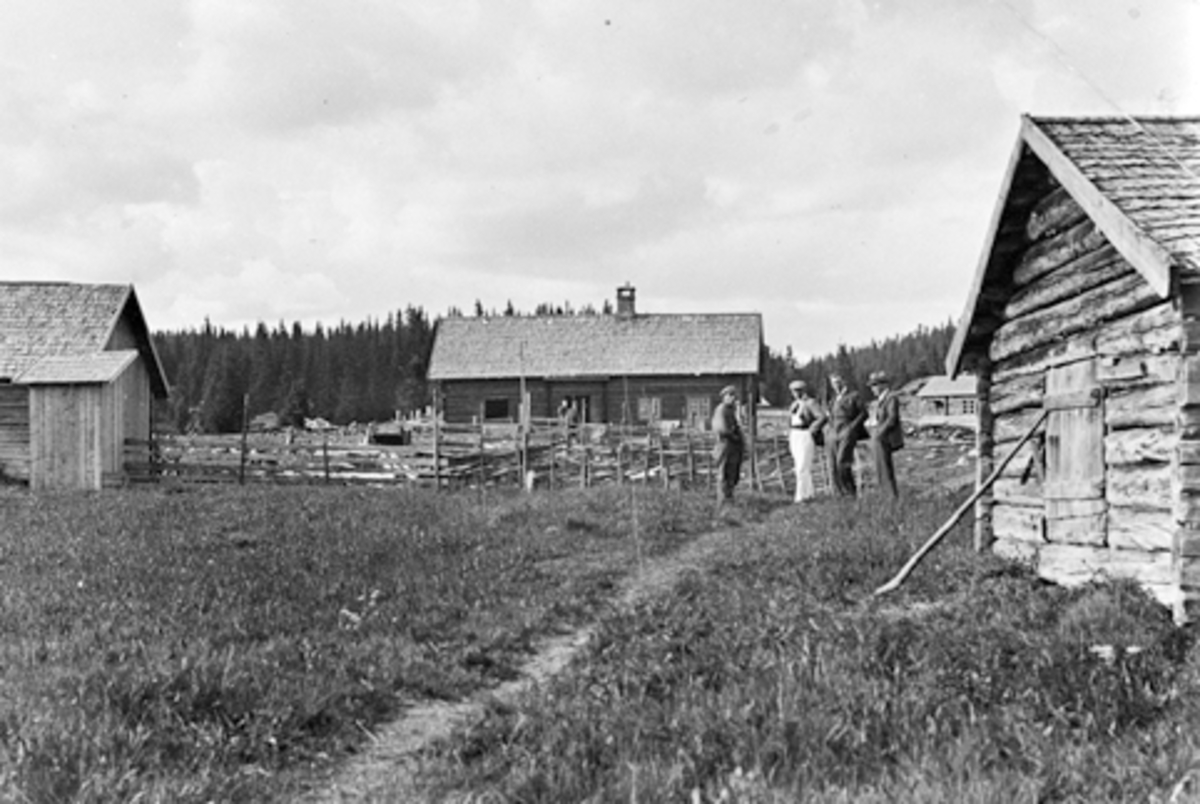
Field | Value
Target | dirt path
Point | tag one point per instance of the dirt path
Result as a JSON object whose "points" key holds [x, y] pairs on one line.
{"points": [[386, 770]]}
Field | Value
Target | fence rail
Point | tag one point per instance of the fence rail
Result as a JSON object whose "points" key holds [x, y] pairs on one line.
{"points": [[543, 455]]}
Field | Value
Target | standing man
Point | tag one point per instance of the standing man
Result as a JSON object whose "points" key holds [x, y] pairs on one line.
{"points": [[729, 448], [887, 436], [847, 414]]}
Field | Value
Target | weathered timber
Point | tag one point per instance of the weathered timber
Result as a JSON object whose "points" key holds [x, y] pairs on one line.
{"points": [[985, 448], [1156, 331], [1186, 542], [1145, 445], [1140, 528], [1137, 369], [1092, 529], [1011, 426], [1139, 486], [1071, 564], [1054, 213], [1044, 256], [1023, 523], [1082, 313], [1151, 406], [1189, 380], [1071, 279], [1014, 393], [1012, 491], [1019, 552]]}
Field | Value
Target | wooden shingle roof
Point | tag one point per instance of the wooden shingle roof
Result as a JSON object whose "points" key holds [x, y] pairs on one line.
{"points": [[596, 346], [69, 324], [1138, 179], [77, 369]]}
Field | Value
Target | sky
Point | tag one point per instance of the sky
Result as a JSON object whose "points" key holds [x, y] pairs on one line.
{"points": [[830, 164]]}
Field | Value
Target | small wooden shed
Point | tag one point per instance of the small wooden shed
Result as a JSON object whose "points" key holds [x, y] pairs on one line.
{"points": [[1083, 327], [621, 367], [78, 375]]}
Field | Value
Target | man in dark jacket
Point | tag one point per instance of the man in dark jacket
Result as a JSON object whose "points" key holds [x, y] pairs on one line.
{"points": [[887, 435], [847, 415], [730, 446]]}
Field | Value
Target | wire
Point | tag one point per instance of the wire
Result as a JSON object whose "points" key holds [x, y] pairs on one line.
{"points": [[1064, 59]]}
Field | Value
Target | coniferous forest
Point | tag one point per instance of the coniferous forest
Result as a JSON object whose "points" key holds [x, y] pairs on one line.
{"points": [[374, 370]]}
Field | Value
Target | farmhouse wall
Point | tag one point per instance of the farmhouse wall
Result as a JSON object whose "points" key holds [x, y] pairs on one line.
{"points": [[14, 432], [1077, 309], [610, 399]]}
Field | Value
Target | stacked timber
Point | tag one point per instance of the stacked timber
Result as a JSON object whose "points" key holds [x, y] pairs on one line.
{"points": [[1084, 336]]}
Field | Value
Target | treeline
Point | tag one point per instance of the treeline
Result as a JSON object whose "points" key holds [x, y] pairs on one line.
{"points": [[920, 353], [362, 372], [370, 371]]}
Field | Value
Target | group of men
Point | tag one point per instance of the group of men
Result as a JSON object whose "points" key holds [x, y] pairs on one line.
{"points": [[848, 421]]}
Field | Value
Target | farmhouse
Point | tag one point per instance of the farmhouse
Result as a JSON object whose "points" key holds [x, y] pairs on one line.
{"points": [[623, 367], [78, 373], [946, 402], [1083, 328]]}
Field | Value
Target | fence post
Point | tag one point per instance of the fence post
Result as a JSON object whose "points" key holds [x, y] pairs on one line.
{"points": [[585, 468], [620, 449], [325, 452], [691, 459], [482, 457], [662, 461], [245, 429]]}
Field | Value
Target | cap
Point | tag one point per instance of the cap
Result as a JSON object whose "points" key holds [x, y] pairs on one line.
{"points": [[879, 378], [796, 385], [728, 389]]}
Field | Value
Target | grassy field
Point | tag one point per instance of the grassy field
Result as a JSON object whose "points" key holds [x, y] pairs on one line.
{"points": [[218, 645], [235, 644]]}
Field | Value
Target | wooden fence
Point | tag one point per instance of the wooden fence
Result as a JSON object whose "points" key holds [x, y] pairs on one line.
{"points": [[544, 454]]}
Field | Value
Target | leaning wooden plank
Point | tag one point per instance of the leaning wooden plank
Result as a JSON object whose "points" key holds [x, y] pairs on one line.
{"points": [[904, 572]]}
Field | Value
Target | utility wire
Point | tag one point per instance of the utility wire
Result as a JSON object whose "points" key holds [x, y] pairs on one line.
{"points": [[1063, 58]]}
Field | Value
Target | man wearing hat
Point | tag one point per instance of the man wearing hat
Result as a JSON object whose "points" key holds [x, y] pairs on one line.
{"points": [[730, 445], [887, 435], [847, 414], [806, 423]]}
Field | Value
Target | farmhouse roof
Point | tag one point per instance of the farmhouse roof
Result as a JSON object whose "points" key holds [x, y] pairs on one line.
{"points": [[1138, 179], [69, 325], [596, 345], [938, 385]]}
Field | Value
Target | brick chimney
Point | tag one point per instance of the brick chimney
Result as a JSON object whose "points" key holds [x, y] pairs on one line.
{"points": [[625, 301]]}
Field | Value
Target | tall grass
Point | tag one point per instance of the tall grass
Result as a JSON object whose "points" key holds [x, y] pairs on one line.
{"points": [[218, 645], [777, 677]]}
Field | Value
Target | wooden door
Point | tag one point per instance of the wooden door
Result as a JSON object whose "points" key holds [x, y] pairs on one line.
{"points": [[1076, 511]]}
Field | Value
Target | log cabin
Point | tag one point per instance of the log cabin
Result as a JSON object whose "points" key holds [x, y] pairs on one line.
{"points": [[623, 367], [1082, 327], [78, 376]]}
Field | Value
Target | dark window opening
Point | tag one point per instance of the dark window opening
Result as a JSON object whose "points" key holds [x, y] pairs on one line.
{"points": [[495, 409]]}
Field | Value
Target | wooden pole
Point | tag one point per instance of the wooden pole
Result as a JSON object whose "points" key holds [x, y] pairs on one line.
{"points": [[895, 582], [437, 451], [663, 462], [585, 468], [325, 452], [691, 458], [245, 430]]}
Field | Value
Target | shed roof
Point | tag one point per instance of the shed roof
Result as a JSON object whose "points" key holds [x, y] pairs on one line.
{"points": [[938, 385], [596, 345], [77, 369], [43, 320], [1138, 179]]}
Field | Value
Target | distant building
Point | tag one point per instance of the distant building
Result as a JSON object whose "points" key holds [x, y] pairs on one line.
{"points": [[621, 367], [78, 376], [946, 402]]}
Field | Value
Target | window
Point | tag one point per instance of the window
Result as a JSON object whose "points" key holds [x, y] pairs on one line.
{"points": [[649, 408], [495, 409], [699, 411]]}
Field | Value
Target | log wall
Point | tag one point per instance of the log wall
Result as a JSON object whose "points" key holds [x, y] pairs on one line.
{"points": [[1073, 298]]}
